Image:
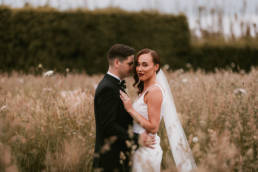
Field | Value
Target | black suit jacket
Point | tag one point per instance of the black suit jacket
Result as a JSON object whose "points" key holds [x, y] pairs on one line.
{"points": [[112, 121]]}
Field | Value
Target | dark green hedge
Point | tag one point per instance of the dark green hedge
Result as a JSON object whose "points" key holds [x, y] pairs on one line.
{"points": [[79, 40], [210, 57]]}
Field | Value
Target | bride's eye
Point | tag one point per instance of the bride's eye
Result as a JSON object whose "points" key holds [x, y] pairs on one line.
{"points": [[144, 64]]}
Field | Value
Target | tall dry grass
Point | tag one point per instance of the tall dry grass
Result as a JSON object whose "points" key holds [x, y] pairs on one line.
{"points": [[47, 123]]}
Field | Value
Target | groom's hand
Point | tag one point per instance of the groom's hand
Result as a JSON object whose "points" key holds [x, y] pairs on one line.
{"points": [[146, 140]]}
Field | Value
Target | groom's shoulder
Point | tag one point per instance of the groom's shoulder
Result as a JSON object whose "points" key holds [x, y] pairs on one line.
{"points": [[104, 84]]}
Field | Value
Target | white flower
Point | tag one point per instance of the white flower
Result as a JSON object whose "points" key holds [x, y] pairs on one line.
{"points": [[195, 139], [67, 70], [202, 123], [240, 91], [166, 67], [3, 108], [48, 73], [188, 65], [21, 80], [40, 66], [184, 80], [180, 71]]}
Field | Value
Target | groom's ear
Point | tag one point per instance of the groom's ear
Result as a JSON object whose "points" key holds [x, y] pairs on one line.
{"points": [[116, 62]]}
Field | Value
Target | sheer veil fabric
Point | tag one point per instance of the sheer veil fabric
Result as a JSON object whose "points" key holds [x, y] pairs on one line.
{"points": [[179, 146]]}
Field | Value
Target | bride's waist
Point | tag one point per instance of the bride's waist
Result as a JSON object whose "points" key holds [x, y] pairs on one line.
{"points": [[155, 146], [156, 137]]}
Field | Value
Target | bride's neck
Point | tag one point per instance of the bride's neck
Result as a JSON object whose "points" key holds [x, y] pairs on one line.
{"points": [[149, 82]]}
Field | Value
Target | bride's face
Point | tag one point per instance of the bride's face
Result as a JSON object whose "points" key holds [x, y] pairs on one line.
{"points": [[145, 67]]}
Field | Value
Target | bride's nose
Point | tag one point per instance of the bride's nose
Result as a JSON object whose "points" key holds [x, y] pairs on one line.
{"points": [[139, 68]]}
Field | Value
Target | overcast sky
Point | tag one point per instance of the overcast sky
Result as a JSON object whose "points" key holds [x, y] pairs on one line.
{"points": [[246, 10]]}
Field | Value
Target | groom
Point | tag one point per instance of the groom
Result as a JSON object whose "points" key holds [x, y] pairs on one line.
{"points": [[112, 151]]}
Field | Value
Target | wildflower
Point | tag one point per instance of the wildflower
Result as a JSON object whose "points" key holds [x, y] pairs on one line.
{"points": [[240, 91], [188, 65], [128, 143], [134, 147], [166, 67], [67, 70], [180, 71], [105, 148], [242, 72], [202, 123], [3, 108], [250, 152], [40, 66], [21, 80], [210, 130], [195, 139], [48, 73], [130, 163], [47, 89], [184, 80], [96, 155], [122, 156]]}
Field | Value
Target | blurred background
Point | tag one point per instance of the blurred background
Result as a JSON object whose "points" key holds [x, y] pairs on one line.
{"points": [[219, 33], [231, 17], [51, 52]]}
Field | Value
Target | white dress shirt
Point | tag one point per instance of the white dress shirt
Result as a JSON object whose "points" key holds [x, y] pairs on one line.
{"points": [[114, 75]]}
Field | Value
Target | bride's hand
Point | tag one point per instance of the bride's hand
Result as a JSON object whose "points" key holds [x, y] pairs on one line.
{"points": [[126, 101]]}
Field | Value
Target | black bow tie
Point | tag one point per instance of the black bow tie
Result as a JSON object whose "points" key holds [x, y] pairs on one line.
{"points": [[122, 85]]}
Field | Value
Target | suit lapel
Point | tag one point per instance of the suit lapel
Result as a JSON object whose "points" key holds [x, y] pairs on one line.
{"points": [[114, 81]]}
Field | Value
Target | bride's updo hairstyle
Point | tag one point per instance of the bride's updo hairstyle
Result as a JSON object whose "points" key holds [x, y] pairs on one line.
{"points": [[155, 59]]}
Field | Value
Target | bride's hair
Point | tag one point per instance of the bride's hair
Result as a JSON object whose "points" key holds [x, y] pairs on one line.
{"points": [[155, 59]]}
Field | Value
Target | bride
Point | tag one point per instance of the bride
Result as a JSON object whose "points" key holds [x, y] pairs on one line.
{"points": [[154, 102]]}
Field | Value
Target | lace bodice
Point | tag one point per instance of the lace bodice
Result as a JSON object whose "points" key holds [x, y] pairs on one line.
{"points": [[142, 108]]}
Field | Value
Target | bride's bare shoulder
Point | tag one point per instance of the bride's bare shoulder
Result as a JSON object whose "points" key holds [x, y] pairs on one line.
{"points": [[154, 93]]}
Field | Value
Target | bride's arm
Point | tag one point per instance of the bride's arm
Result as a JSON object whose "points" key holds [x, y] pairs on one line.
{"points": [[153, 99]]}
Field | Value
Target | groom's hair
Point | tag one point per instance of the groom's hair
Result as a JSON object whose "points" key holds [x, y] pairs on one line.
{"points": [[119, 51]]}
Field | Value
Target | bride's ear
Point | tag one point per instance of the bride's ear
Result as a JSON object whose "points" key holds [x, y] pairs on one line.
{"points": [[156, 67]]}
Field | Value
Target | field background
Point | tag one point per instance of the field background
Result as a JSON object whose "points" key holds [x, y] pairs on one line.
{"points": [[47, 123]]}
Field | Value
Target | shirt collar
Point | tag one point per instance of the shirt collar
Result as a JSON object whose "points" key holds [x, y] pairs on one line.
{"points": [[109, 73]]}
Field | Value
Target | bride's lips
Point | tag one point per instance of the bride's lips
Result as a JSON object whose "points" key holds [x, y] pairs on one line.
{"points": [[140, 74]]}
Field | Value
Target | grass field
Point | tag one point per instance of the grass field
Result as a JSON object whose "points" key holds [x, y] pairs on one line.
{"points": [[47, 123]]}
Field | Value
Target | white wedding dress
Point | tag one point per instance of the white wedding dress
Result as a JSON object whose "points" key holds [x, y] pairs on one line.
{"points": [[148, 159]]}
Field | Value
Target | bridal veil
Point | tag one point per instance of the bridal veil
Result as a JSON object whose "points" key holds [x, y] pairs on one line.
{"points": [[179, 146]]}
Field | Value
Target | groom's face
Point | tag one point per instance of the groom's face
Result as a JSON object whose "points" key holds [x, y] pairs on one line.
{"points": [[126, 66]]}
